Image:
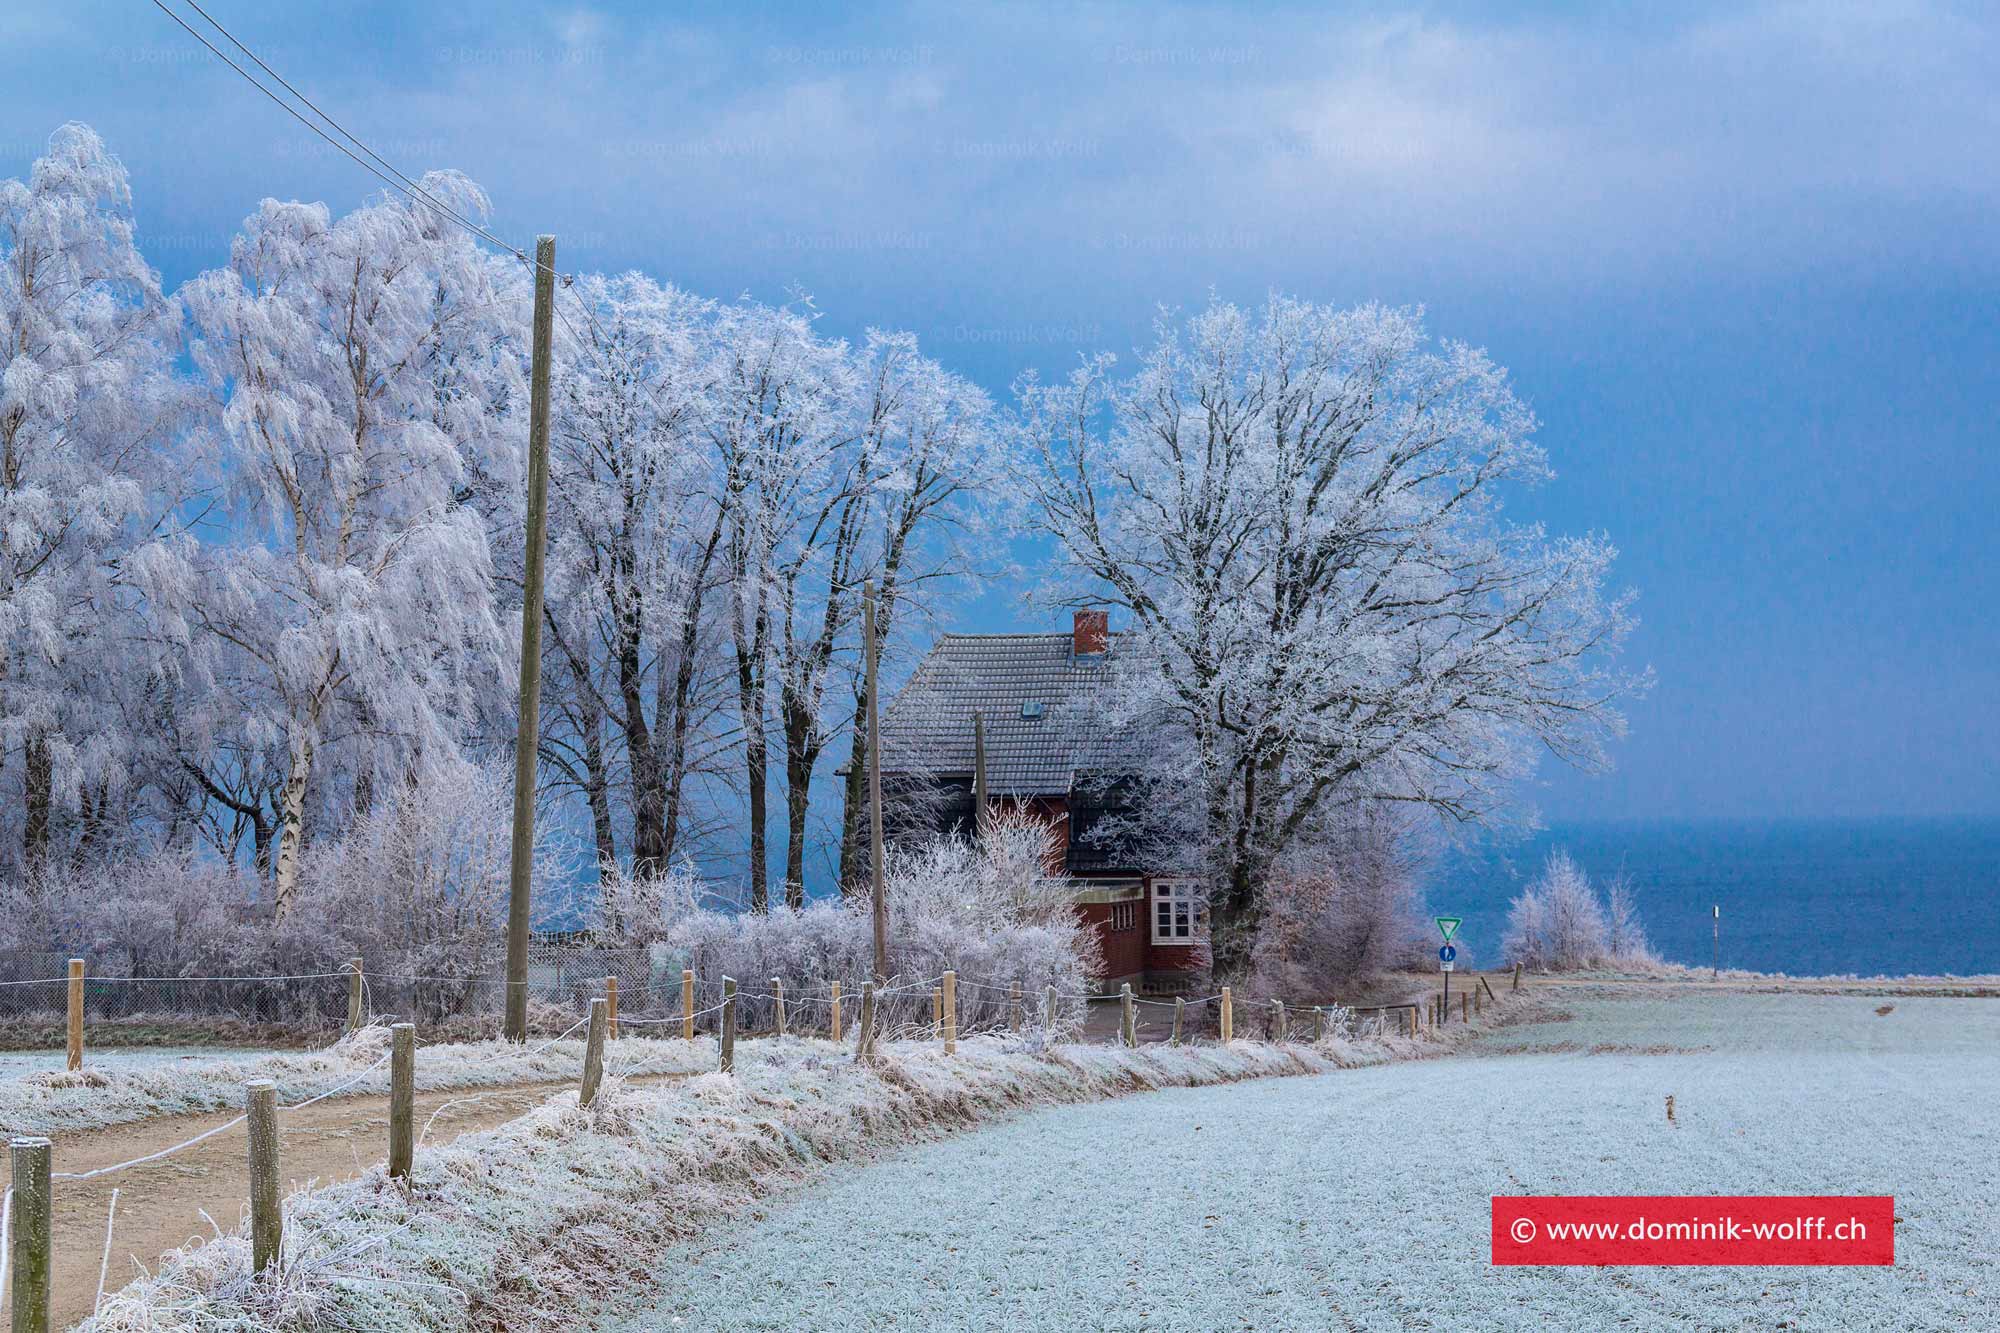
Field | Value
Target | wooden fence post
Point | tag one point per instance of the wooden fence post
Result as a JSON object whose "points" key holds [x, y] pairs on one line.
{"points": [[1228, 1017], [29, 1247], [402, 1099], [951, 1013], [687, 1004], [1277, 1020], [76, 1013], [1475, 999], [355, 1016], [1464, 1008], [1517, 976], [267, 1219], [611, 1008], [864, 1039], [729, 1025], [937, 1011], [1180, 1007], [1052, 1013], [593, 1051], [778, 1002], [1319, 1023], [1014, 1007], [834, 1022], [1126, 1025]]}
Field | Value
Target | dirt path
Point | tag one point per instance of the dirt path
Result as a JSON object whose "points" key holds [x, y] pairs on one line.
{"points": [[161, 1204]]}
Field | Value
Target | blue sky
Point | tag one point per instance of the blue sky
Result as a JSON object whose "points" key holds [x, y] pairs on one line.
{"points": [[1742, 260]]}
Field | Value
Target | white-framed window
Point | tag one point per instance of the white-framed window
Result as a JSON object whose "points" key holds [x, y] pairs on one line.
{"points": [[1177, 914]]}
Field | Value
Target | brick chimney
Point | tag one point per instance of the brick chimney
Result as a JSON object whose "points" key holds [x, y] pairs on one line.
{"points": [[1091, 635]]}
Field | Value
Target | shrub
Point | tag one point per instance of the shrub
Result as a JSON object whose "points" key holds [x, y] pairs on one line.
{"points": [[994, 913], [1344, 908]]}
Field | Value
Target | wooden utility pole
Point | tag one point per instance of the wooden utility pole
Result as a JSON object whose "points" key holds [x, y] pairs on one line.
{"points": [[979, 775], [880, 902], [527, 737]]}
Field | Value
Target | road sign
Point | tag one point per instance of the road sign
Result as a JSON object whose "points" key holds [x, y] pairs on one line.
{"points": [[1447, 953], [1447, 924], [1447, 966]]}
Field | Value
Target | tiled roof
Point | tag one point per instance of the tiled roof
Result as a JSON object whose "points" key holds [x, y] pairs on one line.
{"points": [[927, 727]]}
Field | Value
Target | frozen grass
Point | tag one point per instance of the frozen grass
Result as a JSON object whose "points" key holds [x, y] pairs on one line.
{"points": [[1362, 1201], [534, 1224], [20, 1064], [106, 1092]]}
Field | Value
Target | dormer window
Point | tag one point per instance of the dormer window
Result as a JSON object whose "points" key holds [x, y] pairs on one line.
{"points": [[1031, 709]]}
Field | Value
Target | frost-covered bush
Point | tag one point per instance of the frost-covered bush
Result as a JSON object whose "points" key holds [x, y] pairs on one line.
{"points": [[994, 913], [417, 888], [1558, 922], [1347, 906]]}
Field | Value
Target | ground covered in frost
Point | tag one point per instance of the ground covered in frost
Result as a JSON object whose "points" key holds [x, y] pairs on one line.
{"points": [[1360, 1199], [115, 1088], [18, 1064]]}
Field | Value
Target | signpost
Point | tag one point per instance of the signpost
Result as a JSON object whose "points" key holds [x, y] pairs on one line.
{"points": [[1447, 956], [1715, 971]]}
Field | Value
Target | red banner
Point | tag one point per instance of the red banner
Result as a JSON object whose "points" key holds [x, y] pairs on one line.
{"points": [[1668, 1229]]}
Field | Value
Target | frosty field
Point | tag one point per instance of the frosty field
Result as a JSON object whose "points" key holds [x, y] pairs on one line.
{"points": [[1359, 1199]]}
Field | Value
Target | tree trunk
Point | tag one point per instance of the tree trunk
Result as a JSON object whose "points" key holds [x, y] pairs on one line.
{"points": [[596, 782], [39, 797], [756, 762], [801, 757], [854, 810], [291, 821], [649, 841]]}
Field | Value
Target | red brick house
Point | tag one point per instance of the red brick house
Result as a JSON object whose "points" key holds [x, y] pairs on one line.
{"points": [[1047, 749]]}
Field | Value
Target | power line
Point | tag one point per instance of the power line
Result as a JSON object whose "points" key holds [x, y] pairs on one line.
{"points": [[416, 193], [395, 179], [407, 185]]}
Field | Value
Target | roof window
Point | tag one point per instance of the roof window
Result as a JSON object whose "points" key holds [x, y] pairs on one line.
{"points": [[1031, 708]]}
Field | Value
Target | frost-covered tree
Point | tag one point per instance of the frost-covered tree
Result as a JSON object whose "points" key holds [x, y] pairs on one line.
{"points": [[1296, 510], [1558, 921], [341, 602], [930, 463], [779, 429], [637, 522], [88, 403]]}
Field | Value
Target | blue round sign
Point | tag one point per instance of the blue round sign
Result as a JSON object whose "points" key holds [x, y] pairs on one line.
{"points": [[1447, 953]]}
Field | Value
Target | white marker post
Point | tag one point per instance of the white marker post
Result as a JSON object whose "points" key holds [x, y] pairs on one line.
{"points": [[1715, 972]]}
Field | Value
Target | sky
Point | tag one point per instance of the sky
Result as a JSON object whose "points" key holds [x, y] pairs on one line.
{"points": [[1741, 259]]}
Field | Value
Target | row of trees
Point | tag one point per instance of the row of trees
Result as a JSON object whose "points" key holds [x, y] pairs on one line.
{"points": [[259, 553], [246, 604]]}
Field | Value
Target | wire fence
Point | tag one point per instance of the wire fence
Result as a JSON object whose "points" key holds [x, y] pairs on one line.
{"points": [[462, 999]]}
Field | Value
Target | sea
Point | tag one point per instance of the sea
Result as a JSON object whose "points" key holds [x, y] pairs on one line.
{"points": [[1805, 897]]}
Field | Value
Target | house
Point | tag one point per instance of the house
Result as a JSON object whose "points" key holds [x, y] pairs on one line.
{"points": [[1040, 704]]}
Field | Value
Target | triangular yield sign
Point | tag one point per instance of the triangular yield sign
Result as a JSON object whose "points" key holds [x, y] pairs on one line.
{"points": [[1447, 924]]}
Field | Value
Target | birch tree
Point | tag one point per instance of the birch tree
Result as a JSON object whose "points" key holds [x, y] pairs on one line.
{"points": [[88, 403], [1295, 513], [366, 372]]}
